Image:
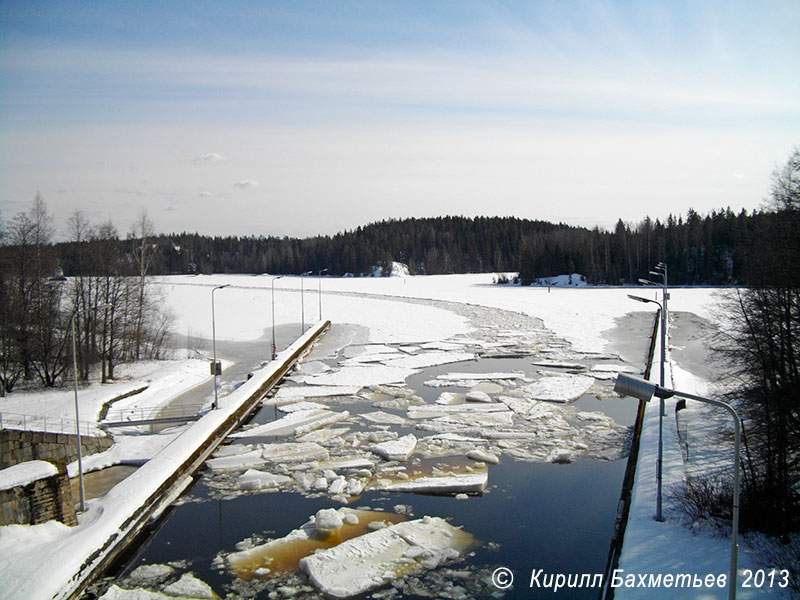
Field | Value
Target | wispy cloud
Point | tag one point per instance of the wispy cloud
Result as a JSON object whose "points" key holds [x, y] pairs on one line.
{"points": [[247, 184], [211, 157]]}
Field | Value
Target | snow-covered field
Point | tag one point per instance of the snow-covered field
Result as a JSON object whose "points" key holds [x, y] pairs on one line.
{"points": [[403, 324]]}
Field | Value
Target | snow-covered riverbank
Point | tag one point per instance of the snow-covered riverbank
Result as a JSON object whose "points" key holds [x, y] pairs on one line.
{"points": [[403, 324]]}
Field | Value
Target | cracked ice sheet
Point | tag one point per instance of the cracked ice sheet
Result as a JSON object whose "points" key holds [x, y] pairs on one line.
{"points": [[429, 359], [376, 558], [560, 388], [479, 376], [289, 394], [383, 418], [444, 485], [363, 376], [295, 423]]}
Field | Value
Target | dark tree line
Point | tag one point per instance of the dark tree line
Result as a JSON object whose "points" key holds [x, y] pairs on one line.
{"points": [[711, 249], [114, 316], [765, 347]]}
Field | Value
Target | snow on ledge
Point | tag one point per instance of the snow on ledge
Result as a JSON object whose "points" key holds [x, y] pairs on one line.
{"points": [[25, 473]]}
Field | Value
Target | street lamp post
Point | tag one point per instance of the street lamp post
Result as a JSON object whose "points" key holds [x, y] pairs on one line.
{"points": [[77, 409], [77, 413], [644, 390], [274, 347], [216, 369], [319, 279], [659, 517], [302, 304]]}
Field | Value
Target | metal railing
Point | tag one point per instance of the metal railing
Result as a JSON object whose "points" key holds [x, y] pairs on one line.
{"points": [[150, 415], [47, 424]]}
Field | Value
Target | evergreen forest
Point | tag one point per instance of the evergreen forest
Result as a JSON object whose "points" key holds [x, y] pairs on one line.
{"points": [[700, 250]]}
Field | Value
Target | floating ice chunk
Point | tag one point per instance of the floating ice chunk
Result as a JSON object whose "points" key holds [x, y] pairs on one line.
{"points": [[478, 396], [560, 388], [381, 357], [384, 418], [117, 593], [189, 586], [480, 376], [429, 359], [149, 575], [321, 436], [371, 560], [362, 376], [294, 452], [595, 416], [399, 449], [491, 419], [449, 398], [233, 449], [237, 462], [555, 364], [483, 456], [442, 346], [560, 455], [295, 423], [409, 349], [328, 520], [336, 464], [337, 486], [289, 394], [489, 387], [442, 485], [355, 487], [615, 368], [256, 480], [282, 555], [540, 410], [304, 405], [428, 411]]}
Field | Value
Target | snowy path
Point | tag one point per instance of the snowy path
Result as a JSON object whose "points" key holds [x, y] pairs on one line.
{"points": [[673, 547]]}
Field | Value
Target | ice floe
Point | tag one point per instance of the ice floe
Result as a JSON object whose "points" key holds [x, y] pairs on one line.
{"points": [[383, 418], [295, 423], [282, 555], [362, 376], [296, 393], [445, 485], [378, 558], [253, 479], [560, 388], [429, 359], [478, 396], [399, 449]]}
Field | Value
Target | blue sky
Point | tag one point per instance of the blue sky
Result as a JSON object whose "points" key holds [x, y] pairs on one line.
{"points": [[299, 118]]}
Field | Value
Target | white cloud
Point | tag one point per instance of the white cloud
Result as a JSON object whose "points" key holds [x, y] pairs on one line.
{"points": [[247, 184], [211, 157]]}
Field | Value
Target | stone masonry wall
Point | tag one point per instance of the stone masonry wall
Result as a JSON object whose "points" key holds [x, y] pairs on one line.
{"points": [[21, 446], [38, 502]]}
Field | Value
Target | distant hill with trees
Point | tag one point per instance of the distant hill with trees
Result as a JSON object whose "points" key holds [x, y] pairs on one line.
{"points": [[710, 249]]}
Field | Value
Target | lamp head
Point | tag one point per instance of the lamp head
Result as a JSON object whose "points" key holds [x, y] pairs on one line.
{"points": [[634, 387], [639, 298]]}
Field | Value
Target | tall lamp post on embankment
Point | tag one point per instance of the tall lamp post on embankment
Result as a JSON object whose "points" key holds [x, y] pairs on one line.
{"points": [[77, 410], [644, 390], [215, 368], [319, 280], [274, 347], [303, 304]]}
